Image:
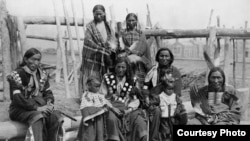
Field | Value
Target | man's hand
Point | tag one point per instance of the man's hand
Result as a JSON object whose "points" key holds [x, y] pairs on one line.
{"points": [[47, 109]]}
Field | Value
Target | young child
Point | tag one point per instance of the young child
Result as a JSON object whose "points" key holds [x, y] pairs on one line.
{"points": [[172, 109], [93, 106]]}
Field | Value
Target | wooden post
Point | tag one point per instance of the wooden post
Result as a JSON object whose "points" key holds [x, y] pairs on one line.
{"points": [[228, 59], [5, 45], [71, 47], [218, 48], [209, 49], [234, 64], [112, 15], [58, 61], [66, 44], [83, 15], [244, 60], [60, 43], [210, 18], [77, 31], [14, 52], [22, 34]]}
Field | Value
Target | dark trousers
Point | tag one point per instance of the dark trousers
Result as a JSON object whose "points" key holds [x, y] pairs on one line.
{"points": [[46, 129], [154, 123]]}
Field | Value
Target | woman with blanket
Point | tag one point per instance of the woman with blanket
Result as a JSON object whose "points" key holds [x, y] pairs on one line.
{"points": [[125, 119], [216, 103], [97, 48], [134, 45], [172, 109], [155, 78], [32, 99]]}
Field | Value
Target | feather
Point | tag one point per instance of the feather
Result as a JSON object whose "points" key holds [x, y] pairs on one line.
{"points": [[208, 60], [195, 100]]}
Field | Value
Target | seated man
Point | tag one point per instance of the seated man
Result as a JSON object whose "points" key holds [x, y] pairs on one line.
{"points": [[216, 103], [32, 100]]}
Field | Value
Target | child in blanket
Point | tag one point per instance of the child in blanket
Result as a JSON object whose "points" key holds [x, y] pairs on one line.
{"points": [[93, 106]]}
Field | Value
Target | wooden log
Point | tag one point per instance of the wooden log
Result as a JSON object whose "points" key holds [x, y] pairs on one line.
{"points": [[12, 129], [5, 45], [50, 38], [243, 94], [60, 43], [51, 20], [196, 33], [240, 38], [71, 48], [244, 61]]}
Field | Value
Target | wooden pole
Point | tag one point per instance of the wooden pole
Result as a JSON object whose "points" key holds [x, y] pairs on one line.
{"points": [[209, 50], [22, 34], [112, 15], [244, 61], [58, 61], [83, 15], [14, 52], [77, 30], [217, 58], [60, 44], [66, 44], [71, 47], [50, 38], [228, 59], [50, 20], [5, 45], [234, 64], [196, 33], [210, 18]]}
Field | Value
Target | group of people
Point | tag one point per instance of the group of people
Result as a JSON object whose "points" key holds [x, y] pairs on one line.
{"points": [[124, 97]]}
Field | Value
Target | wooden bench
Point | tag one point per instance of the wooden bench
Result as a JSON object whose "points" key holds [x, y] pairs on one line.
{"points": [[12, 130]]}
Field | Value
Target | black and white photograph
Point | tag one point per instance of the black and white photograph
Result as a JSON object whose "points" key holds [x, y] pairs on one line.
{"points": [[124, 70]]}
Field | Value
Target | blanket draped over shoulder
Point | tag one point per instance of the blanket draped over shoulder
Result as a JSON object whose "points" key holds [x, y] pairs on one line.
{"points": [[226, 111]]}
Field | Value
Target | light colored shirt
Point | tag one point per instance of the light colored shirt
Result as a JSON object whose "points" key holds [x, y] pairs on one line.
{"points": [[165, 102], [90, 99], [102, 29]]}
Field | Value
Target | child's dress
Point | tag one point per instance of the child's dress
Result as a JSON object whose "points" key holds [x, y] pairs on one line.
{"points": [[92, 124]]}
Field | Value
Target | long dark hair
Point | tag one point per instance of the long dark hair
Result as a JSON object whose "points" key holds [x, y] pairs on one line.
{"points": [[131, 15], [101, 7], [128, 73], [170, 53], [214, 69], [29, 53]]}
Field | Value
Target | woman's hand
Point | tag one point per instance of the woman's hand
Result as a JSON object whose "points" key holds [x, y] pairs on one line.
{"points": [[116, 111]]}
